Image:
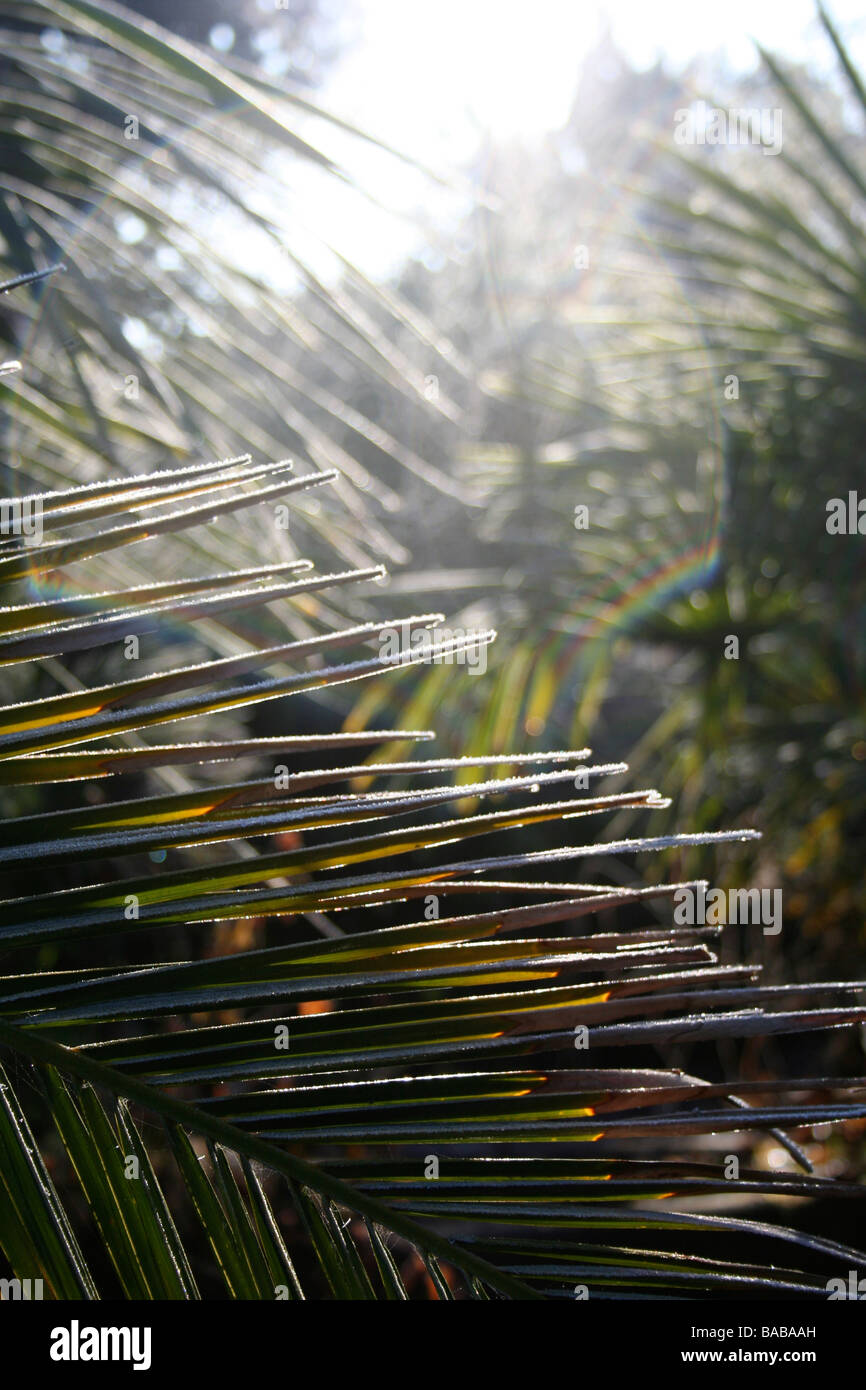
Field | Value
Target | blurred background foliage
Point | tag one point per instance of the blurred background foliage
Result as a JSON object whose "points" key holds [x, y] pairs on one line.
{"points": [[676, 344], [670, 337]]}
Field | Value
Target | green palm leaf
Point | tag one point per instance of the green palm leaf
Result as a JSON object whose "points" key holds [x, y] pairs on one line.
{"points": [[297, 1150]]}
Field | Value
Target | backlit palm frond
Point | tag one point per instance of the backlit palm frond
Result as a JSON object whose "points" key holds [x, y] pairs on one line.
{"points": [[366, 1083], [198, 307]]}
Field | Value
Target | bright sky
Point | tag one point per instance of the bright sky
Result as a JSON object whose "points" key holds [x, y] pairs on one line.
{"points": [[430, 75], [433, 79]]}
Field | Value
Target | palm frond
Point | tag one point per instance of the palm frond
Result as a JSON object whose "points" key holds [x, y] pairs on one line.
{"points": [[281, 1069]]}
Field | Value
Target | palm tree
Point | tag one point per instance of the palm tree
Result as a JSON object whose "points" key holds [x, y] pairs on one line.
{"points": [[440, 1038], [698, 388], [261, 1039]]}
